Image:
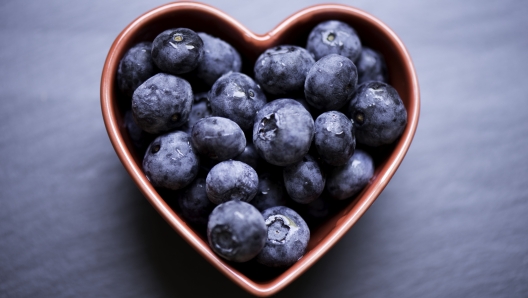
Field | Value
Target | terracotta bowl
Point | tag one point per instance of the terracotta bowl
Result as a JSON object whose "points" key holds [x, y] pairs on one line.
{"points": [[293, 30]]}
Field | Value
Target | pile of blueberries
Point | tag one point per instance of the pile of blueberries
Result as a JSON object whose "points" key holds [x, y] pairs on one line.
{"points": [[247, 152]]}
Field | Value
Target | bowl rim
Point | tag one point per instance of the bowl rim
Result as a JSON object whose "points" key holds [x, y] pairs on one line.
{"points": [[365, 199]]}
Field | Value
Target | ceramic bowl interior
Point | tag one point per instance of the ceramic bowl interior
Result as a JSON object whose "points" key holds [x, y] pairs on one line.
{"points": [[254, 278]]}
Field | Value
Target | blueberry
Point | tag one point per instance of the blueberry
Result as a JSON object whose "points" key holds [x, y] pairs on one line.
{"points": [[250, 156], [200, 109], [347, 180], [270, 192], [334, 37], [194, 204], [331, 82], [287, 237], [282, 69], [170, 161], [236, 231], [316, 209], [218, 138], [304, 180], [177, 51], [371, 66], [162, 103], [218, 58], [135, 67], [140, 138], [378, 113], [237, 97], [334, 138], [231, 180], [283, 131]]}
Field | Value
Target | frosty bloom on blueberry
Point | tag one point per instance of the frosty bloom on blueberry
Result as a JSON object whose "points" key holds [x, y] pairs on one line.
{"points": [[283, 132], [237, 97], [218, 58], [162, 103], [282, 69], [231, 180], [378, 113], [236, 231], [170, 161], [218, 138], [347, 180], [135, 68]]}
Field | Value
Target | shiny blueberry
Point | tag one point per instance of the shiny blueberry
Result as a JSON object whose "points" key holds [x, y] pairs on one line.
{"points": [[347, 180], [331, 82], [170, 161], [283, 132], [231, 180], [287, 237], [218, 138], [378, 113], [237, 97], [162, 103], [334, 138], [236, 231], [177, 51], [135, 68], [218, 58], [371, 66], [304, 180], [282, 69], [334, 37]]}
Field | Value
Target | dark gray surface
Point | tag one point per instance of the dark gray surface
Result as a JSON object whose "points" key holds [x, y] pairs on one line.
{"points": [[452, 223]]}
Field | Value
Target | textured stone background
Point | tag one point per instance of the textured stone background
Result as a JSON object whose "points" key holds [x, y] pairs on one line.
{"points": [[453, 222]]}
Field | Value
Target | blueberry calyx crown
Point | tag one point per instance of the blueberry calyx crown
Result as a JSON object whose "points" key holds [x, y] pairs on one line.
{"points": [[279, 228], [224, 240], [268, 127]]}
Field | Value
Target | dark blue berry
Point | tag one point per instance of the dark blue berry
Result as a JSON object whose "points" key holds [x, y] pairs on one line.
{"points": [[237, 97], [236, 231], [200, 109], [270, 192], [331, 82], [334, 138], [218, 138], [378, 113], [218, 58], [283, 132], [304, 180], [282, 69], [140, 138], [347, 180], [334, 37], [177, 51], [250, 156], [231, 180], [135, 68], [287, 237], [194, 204], [170, 161], [162, 103], [371, 66]]}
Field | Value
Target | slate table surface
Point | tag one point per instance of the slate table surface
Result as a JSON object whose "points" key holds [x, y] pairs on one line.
{"points": [[453, 222]]}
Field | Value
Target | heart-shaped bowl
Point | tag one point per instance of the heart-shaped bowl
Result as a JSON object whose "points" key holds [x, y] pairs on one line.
{"points": [[293, 30]]}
